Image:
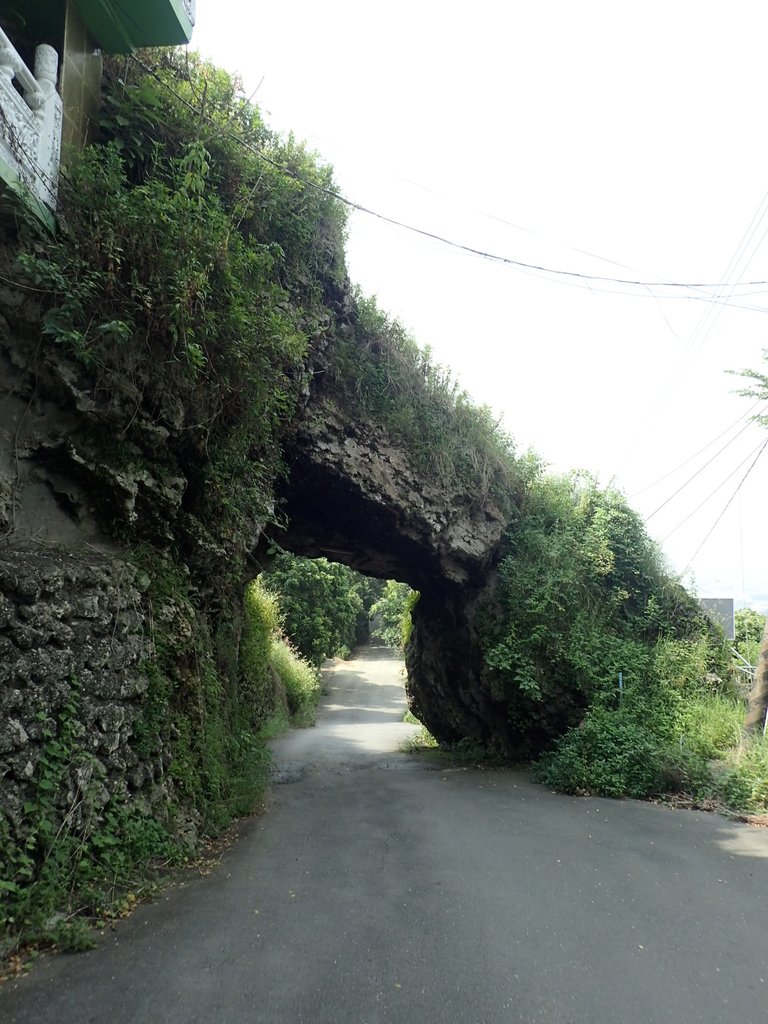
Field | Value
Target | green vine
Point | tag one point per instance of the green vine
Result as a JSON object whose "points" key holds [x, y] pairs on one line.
{"points": [[74, 858]]}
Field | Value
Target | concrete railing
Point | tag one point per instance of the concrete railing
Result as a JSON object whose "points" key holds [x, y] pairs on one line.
{"points": [[30, 119]]}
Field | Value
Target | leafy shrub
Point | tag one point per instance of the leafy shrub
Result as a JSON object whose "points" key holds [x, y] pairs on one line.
{"points": [[391, 614], [323, 604], [265, 650], [748, 634], [611, 754], [261, 625], [710, 723], [686, 771], [743, 783], [301, 681], [660, 736], [582, 596]]}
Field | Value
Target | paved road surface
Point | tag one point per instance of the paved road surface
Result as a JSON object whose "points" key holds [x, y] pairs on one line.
{"points": [[380, 891]]}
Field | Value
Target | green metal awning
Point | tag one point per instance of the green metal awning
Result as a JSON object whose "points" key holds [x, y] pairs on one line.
{"points": [[121, 26]]}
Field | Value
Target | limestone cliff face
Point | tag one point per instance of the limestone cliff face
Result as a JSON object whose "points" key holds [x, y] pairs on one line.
{"points": [[114, 588], [95, 464]]}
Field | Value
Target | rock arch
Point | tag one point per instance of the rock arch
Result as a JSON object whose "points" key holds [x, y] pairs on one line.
{"points": [[353, 496], [88, 476]]}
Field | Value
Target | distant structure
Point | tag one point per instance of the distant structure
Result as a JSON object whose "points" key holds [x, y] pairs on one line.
{"points": [[50, 79], [720, 610]]}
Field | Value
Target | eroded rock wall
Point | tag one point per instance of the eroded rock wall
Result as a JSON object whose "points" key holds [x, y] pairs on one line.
{"points": [[74, 643], [95, 465], [353, 496], [118, 598]]}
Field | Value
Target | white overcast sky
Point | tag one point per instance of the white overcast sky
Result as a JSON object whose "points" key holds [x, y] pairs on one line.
{"points": [[602, 138]]}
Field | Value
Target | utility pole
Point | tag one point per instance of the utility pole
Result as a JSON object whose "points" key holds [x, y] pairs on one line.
{"points": [[758, 697]]}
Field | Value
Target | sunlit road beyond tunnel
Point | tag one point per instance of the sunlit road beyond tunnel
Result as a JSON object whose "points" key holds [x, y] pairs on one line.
{"points": [[379, 887]]}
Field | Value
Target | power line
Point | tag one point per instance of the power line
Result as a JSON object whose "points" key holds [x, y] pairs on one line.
{"points": [[711, 494], [727, 505], [491, 257], [710, 316], [695, 455], [700, 470], [647, 293], [718, 299], [509, 261], [455, 199]]}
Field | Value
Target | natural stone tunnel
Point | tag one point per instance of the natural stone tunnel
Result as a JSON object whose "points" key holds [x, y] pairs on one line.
{"points": [[352, 496], [91, 473]]}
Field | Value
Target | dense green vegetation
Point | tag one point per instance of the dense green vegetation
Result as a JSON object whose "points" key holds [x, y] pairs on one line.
{"points": [[194, 252], [391, 615], [197, 273], [267, 652], [383, 375], [749, 629], [325, 606], [582, 597], [586, 621]]}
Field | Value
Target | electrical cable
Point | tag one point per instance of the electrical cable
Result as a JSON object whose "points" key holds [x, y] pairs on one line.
{"points": [[491, 257], [700, 470], [709, 317], [712, 493], [584, 252], [701, 451], [494, 217], [646, 292], [726, 507]]}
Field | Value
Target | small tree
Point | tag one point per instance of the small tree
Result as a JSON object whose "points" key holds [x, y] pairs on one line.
{"points": [[391, 614], [749, 628], [324, 604], [758, 698], [758, 388]]}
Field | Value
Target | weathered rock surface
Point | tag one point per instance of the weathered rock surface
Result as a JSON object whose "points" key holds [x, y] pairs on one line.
{"points": [[73, 643], [353, 497], [91, 464], [82, 464]]}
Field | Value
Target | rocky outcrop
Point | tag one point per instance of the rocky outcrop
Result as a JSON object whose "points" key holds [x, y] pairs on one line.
{"points": [[117, 598], [95, 464], [73, 644], [84, 461], [352, 496]]}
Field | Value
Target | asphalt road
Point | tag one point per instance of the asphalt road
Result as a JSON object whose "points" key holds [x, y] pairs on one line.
{"points": [[378, 889]]}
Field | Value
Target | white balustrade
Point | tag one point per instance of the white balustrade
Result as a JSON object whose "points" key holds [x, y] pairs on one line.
{"points": [[30, 119], [189, 7]]}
